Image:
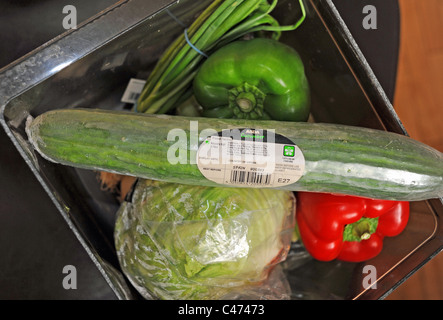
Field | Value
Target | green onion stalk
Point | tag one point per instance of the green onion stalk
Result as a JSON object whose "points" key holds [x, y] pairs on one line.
{"points": [[222, 22]]}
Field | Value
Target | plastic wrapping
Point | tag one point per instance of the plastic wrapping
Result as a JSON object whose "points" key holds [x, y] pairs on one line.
{"points": [[188, 242]]}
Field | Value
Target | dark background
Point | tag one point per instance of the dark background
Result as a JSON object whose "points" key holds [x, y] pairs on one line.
{"points": [[35, 241]]}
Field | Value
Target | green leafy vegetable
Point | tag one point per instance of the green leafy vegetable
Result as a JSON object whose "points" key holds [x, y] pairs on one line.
{"points": [[188, 242]]}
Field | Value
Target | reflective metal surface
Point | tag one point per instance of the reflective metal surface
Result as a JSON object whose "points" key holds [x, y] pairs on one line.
{"points": [[91, 66]]}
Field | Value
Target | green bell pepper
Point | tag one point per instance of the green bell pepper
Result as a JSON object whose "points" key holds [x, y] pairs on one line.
{"points": [[253, 79]]}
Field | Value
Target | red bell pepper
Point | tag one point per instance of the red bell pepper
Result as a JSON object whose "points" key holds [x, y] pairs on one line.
{"points": [[347, 228]]}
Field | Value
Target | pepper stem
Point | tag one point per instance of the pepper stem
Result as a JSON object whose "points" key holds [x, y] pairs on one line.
{"points": [[246, 101], [360, 230]]}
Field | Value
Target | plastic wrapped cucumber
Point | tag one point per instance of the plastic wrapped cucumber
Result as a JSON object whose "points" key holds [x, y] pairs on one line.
{"points": [[302, 156]]}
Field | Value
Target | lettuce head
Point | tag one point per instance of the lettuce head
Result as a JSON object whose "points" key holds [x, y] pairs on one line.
{"points": [[178, 241]]}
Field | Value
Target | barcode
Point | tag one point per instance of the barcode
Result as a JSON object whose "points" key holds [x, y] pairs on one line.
{"points": [[249, 177]]}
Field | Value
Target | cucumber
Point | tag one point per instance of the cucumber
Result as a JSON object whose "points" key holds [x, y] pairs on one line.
{"points": [[338, 159]]}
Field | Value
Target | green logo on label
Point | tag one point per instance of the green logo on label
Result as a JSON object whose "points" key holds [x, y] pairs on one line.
{"points": [[289, 151]]}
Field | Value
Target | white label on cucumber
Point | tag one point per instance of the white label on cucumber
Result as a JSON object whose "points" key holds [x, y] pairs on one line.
{"points": [[250, 158]]}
